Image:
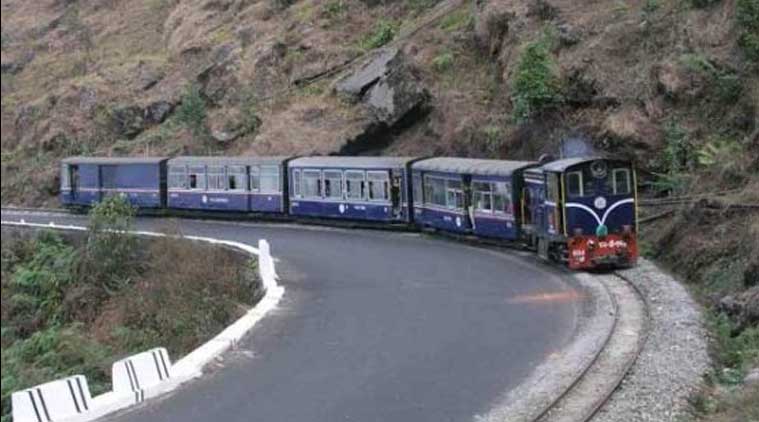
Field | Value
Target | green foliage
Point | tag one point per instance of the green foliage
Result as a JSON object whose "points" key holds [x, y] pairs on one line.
{"points": [[192, 111], [38, 285], [335, 9], [49, 354], [726, 86], [536, 86], [249, 110], [735, 351], [677, 147], [383, 32], [443, 62], [747, 17], [457, 21], [718, 153], [110, 250]]}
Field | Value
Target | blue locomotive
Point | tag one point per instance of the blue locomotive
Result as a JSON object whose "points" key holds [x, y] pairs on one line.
{"points": [[579, 211]]}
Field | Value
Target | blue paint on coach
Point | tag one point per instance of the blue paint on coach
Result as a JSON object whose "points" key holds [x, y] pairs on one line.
{"points": [[87, 180]]}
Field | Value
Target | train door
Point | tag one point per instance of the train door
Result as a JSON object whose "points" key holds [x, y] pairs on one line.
{"points": [[395, 193], [73, 175]]}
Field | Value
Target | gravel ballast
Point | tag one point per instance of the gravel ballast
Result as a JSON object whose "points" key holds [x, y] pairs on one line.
{"points": [[674, 359]]}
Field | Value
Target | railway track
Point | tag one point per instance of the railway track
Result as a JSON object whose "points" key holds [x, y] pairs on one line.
{"points": [[582, 400]]}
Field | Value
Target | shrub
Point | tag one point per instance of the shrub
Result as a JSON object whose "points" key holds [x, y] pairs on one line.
{"points": [[443, 61], [335, 9], [747, 16], [384, 31], [249, 110], [192, 111], [109, 259], [536, 85]]}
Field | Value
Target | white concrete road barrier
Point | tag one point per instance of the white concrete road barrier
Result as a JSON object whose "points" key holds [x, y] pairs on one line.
{"points": [[140, 372], [146, 374], [53, 401]]}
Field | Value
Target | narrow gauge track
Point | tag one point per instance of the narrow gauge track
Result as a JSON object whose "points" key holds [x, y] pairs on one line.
{"points": [[595, 385]]}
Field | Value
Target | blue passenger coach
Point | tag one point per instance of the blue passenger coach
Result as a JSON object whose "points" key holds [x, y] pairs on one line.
{"points": [[466, 195], [241, 184], [357, 188], [87, 180]]}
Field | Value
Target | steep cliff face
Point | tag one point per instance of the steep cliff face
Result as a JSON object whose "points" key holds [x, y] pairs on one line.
{"points": [[486, 78]]}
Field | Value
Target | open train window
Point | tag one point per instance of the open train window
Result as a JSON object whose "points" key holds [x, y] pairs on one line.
{"points": [[621, 181], [333, 184], [379, 185], [216, 178], [574, 184], [502, 198], [269, 179], [237, 178], [454, 195], [354, 184], [297, 184], [483, 196], [177, 177], [312, 184], [197, 177]]}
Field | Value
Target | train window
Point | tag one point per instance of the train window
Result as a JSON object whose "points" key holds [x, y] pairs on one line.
{"points": [[621, 181], [417, 189], [269, 179], [197, 177], [552, 188], [333, 184], [296, 184], [483, 196], [574, 184], [255, 178], [354, 184], [502, 198], [312, 184], [379, 185], [216, 178], [434, 191], [178, 177], [237, 178], [454, 196]]}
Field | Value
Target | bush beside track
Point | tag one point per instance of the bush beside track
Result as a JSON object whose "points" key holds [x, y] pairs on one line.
{"points": [[74, 304]]}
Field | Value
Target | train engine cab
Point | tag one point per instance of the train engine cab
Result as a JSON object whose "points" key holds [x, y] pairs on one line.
{"points": [[584, 212]]}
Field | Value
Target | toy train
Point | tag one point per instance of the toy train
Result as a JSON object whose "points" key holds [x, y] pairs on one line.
{"points": [[578, 211]]}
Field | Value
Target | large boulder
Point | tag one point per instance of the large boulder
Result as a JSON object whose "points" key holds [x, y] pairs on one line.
{"points": [[157, 112], [127, 121], [386, 84]]}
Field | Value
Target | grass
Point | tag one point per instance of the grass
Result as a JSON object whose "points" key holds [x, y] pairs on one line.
{"points": [[192, 111], [457, 21], [73, 305], [383, 32], [444, 61]]}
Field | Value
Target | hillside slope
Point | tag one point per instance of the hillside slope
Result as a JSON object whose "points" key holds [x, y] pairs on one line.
{"points": [[672, 84]]}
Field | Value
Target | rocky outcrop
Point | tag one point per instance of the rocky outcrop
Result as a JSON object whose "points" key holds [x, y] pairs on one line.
{"points": [[157, 112], [386, 84], [744, 308]]}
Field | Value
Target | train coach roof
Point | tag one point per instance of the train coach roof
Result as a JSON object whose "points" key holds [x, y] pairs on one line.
{"points": [[228, 161], [564, 164], [113, 160], [473, 166], [351, 162]]}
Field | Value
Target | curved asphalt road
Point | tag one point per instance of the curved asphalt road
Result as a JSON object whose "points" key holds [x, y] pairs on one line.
{"points": [[373, 326]]}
